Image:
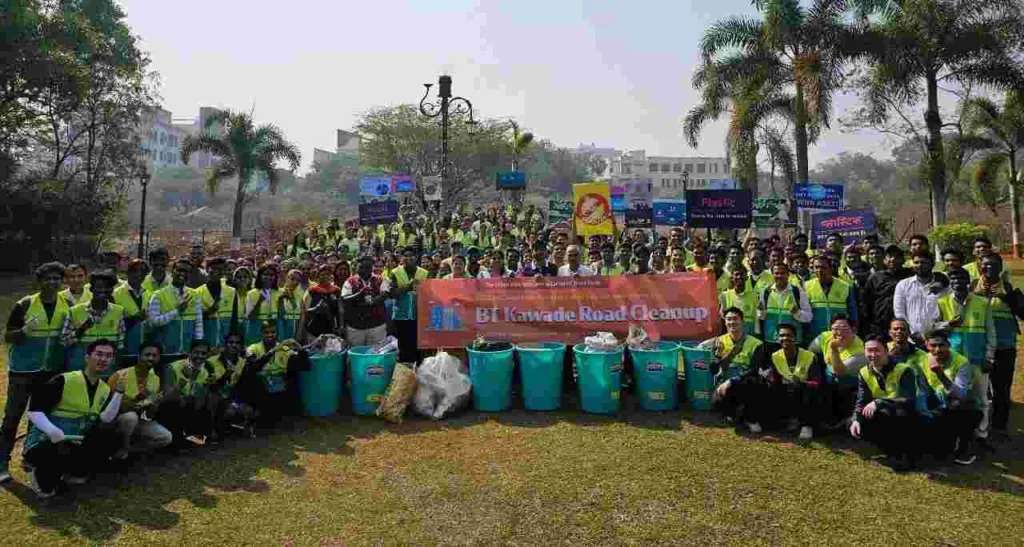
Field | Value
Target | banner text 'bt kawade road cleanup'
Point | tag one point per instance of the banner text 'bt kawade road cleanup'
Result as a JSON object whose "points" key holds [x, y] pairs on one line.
{"points": [[452, 313]]}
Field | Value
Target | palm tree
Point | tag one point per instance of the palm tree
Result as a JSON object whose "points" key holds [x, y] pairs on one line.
{"points": [[787, 64], [244, 151], [916, 46], [1003, 131]]}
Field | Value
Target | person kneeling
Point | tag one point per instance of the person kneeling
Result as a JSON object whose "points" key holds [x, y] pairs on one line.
{"points": [[791, 387], [72, 417], [225, 370], [736, 354], [884, 413], [185, 409], [269, 381], [135, 424], [948, 381]]}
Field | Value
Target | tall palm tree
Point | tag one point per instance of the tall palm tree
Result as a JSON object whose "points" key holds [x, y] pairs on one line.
{"points": [[916, 46], [793, 57], [244, 151], [1003, 131]]}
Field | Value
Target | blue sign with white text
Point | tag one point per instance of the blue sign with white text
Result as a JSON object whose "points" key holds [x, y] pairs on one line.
{"points": [[511, 180], [812, 195], [669, 212]]}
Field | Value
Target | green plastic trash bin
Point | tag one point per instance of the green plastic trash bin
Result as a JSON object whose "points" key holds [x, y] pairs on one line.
{"points": [[600, 379], [699, 382], [320, 386], [491, 375], [655, 372], [371, 374], [540, 368]]}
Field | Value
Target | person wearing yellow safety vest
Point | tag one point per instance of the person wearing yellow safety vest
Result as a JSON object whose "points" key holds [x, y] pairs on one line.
{"points": [[735, 354], [828, 297], [946, 378], [136, 421], [185, 410], [900, 348], [780, 303], [884, 412], [97, 319], [224, 372], [741, 296], [134, 298], [717, 267], [842, 351], [157, 278], [176, 313], [72, 416], [34, 352], [402, 286], [788, 386], [76, 277], [965, 316], [291, 314], [1006, 306], [269, 380], [700, 258], [220, 302], [262, 303]]}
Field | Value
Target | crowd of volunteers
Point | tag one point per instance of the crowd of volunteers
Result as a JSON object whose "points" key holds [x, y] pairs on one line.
{"points": [[121, 357]]}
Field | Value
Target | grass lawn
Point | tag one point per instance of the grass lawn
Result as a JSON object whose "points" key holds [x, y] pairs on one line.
{"points": [[533, 478]]}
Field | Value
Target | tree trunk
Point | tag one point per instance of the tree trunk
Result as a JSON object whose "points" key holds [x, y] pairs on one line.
{"points": [[936, 159], [1015, 206], [236, 220], [800, 141]]}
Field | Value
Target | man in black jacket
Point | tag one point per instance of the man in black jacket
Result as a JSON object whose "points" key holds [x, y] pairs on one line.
{"points": [[878, 292]]}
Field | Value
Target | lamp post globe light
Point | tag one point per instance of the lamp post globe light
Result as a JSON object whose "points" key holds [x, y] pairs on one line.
{"points": [[445, 107]]}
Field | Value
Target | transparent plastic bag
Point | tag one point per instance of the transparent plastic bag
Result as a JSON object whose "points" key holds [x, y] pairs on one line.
{"points": [[601, 342], [390, 344], [443, 386]]}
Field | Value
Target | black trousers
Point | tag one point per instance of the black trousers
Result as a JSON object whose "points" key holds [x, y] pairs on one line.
{"points": [[952, 427], [773, 404], [20, 386], [895, 435], [184, 417], [53, 460], [405, 332], [1002, 380]]}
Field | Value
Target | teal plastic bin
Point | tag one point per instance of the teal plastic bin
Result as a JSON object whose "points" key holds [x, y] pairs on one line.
{"points": [[371, 374], [491, 375], [540, 368], [699, 382], [655, 373], [600, 379], [320, 386]]}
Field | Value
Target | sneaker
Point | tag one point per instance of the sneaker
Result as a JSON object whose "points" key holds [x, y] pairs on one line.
{"points": [[806, 433], [34, 484], [966, 459], [754, 427]]}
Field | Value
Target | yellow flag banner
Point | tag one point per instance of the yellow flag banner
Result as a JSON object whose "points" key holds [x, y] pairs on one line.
{"points": [[593, 209]]}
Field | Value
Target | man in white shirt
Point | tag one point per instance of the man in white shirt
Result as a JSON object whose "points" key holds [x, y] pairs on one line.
{"points": [[573, 267], [916, 298]]}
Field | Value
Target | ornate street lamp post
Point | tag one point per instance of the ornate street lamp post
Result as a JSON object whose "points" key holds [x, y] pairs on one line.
{"points": [[445, 107], [144, 176]]}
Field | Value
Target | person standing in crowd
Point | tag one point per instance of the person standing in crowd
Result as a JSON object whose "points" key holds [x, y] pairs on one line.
{"points": [[72, 417], [952, 260], [96, 319], [131, 296], [176, 314], [197, 276], [700, 257], [884, 412], [717, 267], [403, 284], [966, 318], [735, 354], [677, 262], [802, 243], [157, 278], [459, 268], [290, 311], [828, 297], [880, 290], [322, 302], [136, 420], [34, 352], [1006, 306], [641, 260], [947, 382], [876, 261], [365, 320], [801, 269], [495, 267], [608, 266], [743, 297], [918, 244], [220, 302], [842, 351], [76, 276], [915, 298], [782, 303], [788, 385], [573, 266], [263, 302]]}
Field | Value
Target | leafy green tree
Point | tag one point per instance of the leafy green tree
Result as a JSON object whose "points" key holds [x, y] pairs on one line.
{"points": [[915, 47], [246, 152]]}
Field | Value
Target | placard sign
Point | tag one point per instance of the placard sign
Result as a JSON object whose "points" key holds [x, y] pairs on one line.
{"points": [[669, 212], [381, 212], [853, 225], [718, 208], [639, 203], [812, 195]]}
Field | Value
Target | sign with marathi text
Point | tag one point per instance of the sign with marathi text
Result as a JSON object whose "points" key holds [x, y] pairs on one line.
{"points": [[592, 209], [718, 208], [453, 312], [853, 224]]}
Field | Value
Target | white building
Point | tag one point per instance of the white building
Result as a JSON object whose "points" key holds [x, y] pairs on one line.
{"points": [[161, 138], [195, 126], [669, 173], [591, 151]]}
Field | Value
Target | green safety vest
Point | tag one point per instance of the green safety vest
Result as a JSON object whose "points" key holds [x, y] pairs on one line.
{"points": [[826, 306], [132, 309], [70, 299], [956, 362], [777, 308], [274, 371], [892, 381], [176, 336], [741, 362], [969, 338], [405, 306], [804, 360], [42, 349], [746, 302], [131, 382], [74, 413], [856, 347], [614, 270], [217, 327], [152, 285], [194, 386]]}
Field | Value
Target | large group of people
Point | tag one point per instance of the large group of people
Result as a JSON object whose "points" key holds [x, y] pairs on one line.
{"points": [[121, 357]]}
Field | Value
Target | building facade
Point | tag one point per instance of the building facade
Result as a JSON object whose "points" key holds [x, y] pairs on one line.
{"points": [[669, 173]]}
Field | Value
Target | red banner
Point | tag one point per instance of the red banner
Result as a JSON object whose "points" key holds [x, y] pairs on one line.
{"points": [[452, 313]]}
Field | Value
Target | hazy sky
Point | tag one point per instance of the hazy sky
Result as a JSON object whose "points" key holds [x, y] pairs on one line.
{"points": [[611, 72]]}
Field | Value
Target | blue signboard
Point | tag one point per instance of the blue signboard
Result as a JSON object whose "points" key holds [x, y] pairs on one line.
{"points": [[853, 225], [812, 195], [669, 212], [381, 212], [719, 208], [511, 180], [402, 184], [375, 186]]}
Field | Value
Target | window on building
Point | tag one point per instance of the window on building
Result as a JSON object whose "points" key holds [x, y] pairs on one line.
{"points": [[627, 169], [726, 166], [653, 168], [689, 168], [677, 167], [666, 168], [701, 167]]}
